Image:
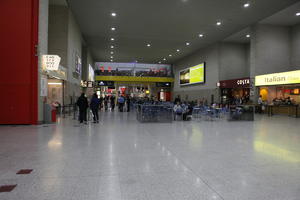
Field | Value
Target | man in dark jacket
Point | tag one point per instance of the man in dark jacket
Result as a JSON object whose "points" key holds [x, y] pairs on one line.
{"points": [[94, 105], [83, 104]]}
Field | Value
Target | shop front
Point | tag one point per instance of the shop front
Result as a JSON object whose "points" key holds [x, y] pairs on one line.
{"points": [[280, 91], [235, 90]]}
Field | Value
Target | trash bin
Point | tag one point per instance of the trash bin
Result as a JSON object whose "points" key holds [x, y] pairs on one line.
{"points": [[48, 116]]}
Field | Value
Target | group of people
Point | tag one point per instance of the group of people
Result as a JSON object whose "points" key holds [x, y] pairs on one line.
{"points": [[183, 109], [97, 104]]}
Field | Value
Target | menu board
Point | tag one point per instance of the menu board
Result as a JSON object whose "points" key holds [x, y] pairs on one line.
{"points": [[193, 75]]}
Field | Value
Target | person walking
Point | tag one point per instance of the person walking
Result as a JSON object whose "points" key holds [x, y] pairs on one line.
{"points": [[128, 103], [83, 104], [121, 101], [94, 105], [112, 102], [106, 103]]}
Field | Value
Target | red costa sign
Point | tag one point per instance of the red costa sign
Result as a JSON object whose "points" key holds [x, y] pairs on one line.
{"points": [[235, 83]]}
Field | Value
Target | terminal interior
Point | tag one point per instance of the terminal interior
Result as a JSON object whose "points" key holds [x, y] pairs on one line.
{"points": [[150, 100]]}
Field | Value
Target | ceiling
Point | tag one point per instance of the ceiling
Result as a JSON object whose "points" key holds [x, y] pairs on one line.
{"points": [[166, 24], [286, 17]]}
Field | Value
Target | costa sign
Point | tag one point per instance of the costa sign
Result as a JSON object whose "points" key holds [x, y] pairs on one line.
{"points": [[235, 83]]}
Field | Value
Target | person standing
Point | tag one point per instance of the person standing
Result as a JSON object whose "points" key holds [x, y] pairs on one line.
{"points": [[94, 105], [260, 104], [83, 104]]}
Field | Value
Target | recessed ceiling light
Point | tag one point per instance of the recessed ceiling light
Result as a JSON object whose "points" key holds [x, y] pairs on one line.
{"points": [[248, 36], [111, 57], [113, 14], [111, 52], [298, 14], [246, 5], [112, 39], [111, 60], [159, 62], [177, 50], [170, 55], [165, 59], [148, 45], [187, 44], [136, 61], [113, 28], [201, 35], [219, 23], [112, 47]]}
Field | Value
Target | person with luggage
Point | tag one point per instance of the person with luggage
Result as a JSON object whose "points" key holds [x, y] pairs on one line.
{"points": [[94, 105], [83, 105]]}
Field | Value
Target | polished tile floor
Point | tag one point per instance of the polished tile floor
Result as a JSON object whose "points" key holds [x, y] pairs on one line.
{"points": [[122, 159]]}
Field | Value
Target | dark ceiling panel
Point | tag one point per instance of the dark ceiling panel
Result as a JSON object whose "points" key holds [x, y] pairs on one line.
{"points": [[166, 24]]}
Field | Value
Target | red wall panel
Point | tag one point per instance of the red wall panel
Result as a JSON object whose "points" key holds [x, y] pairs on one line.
{"points": [[18, 66]]}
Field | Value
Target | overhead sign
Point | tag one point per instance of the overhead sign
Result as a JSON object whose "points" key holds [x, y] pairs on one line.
{"points": [[235, 83], [192, 75], [50, 62], [292, 77]]}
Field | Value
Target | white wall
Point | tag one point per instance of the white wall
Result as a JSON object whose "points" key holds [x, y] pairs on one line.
{"points": [[270, 49], [295, 47], [209, 55], [58, 32], [233, 61], [42, 49]]}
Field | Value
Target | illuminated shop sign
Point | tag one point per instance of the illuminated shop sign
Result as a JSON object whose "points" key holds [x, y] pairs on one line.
{"points": [[235, 83], [50, 62], [292, 77]]}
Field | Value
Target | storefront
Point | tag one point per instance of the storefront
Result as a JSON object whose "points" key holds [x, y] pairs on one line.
{"points": [[281, 91], [235, 90], [55, 77]]}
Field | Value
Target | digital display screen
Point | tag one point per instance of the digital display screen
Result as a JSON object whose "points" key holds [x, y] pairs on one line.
{"points": [[193, 75]]}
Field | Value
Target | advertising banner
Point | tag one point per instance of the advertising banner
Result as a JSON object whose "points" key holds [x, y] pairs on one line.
{"points": [[193, 75]]}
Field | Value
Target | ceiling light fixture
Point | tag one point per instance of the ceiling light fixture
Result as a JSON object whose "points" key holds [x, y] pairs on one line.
{"points": [[111, 60], [248, 36], [111, 52], [165, 59], [159, 62], [112, 47], [148, 45], [201, 35], [177, 50], [187, 44], [113, 28], [219, 23], [246, 5], [170, 55], [111, 57], [298, 14], [112, 39], [113, 14]]}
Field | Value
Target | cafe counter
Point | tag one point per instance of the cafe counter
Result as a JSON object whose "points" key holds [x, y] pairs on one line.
{"points": [[290, 110]]}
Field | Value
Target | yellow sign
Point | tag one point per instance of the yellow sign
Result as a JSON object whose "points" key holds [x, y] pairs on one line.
{"points": [[197, 74], [292, 77], [134, 79]]}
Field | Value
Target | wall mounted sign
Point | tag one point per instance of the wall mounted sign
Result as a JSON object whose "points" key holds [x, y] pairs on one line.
{"points": [[235, 83], [50, 62], [291, 77], [192, 75]]}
